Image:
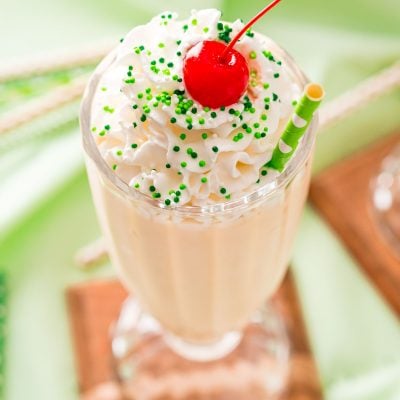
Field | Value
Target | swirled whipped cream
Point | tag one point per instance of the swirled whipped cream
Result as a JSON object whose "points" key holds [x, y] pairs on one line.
{"points": [[161, 141]]}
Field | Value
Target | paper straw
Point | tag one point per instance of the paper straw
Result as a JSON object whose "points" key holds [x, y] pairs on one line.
{"points": [[297, 126]]}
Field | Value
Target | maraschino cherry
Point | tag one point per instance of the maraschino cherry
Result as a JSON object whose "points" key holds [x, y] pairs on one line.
{"points": [[215, 74]]}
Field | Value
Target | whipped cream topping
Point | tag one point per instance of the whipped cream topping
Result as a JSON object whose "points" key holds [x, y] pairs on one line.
{"points": [[161, 141]]}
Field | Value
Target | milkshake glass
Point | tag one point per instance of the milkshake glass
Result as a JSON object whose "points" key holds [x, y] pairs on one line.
{"points": [[199, 273]]}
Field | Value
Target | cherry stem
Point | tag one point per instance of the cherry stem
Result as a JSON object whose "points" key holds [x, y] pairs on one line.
{"points": [[247, 26]]}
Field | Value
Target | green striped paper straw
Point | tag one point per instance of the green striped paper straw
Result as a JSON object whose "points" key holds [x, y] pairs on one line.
{"points": [[297, 126]]}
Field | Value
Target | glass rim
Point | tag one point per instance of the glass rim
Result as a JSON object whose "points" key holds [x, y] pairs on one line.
{"points": [[292, 168]]}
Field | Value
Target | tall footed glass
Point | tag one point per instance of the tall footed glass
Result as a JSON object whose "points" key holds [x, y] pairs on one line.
{"points": [[200, 276]]}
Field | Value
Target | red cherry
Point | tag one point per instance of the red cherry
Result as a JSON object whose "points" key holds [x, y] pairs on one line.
{"points": [[212, 80]]}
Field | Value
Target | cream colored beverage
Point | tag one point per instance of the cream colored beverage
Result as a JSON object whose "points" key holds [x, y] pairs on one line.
{"points": [[197, 226]]}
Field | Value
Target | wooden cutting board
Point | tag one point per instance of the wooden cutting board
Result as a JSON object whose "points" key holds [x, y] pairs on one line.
{"points": [[94, 306], [342, 194]]}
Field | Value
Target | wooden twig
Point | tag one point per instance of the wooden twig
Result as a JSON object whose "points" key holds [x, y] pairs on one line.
{"points": [[35, 108], [92, 254], [354, 99], [56, 61]]}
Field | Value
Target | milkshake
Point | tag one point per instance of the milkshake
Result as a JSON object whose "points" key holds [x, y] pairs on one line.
{"points": [[198, 226]]}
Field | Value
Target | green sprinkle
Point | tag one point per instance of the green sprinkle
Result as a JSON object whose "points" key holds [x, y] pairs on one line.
{"points": [[213, 114], [194, 110], [161, 60], [268, 55], [107, 127], [264, 172], [257, 135], [183, 164], [182, 136], [250, 33], [170, 64], [178, 53], [256, 125], [94, 129], [220, 26], [134, 124], [215, 149], [176, 199], [228, 197], [134, 145], [173, 120], [168, 166], [185, 28], [202, 121], [193, 155], [276, 75], [204, 179], [253, 55], [205, 30], [119, 153], [140, 95], [182, 186], [206, 109], [178, 193], [156, 195], [189, 150], [178, 42], [274, 97], [143, 118], [167, 202], [102, 133], [194, 22], [161, 45], [222, 190], [294, 103], [114, 167], [176, 148], [103, 89], [202, 163], [152, 188], [108, 109], [136, 186], [264, 117], [166, 72], [204, 136]]}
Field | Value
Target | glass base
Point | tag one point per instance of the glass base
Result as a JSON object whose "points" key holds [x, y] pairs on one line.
{"points": [[150, 363], [386, 199]]}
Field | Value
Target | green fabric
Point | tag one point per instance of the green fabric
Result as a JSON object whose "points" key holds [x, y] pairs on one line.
{"points": [[46, 212]]}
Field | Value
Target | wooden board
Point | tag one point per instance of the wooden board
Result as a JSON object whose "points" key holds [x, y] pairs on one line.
{"points": [[94, 306], [342, 195]]}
